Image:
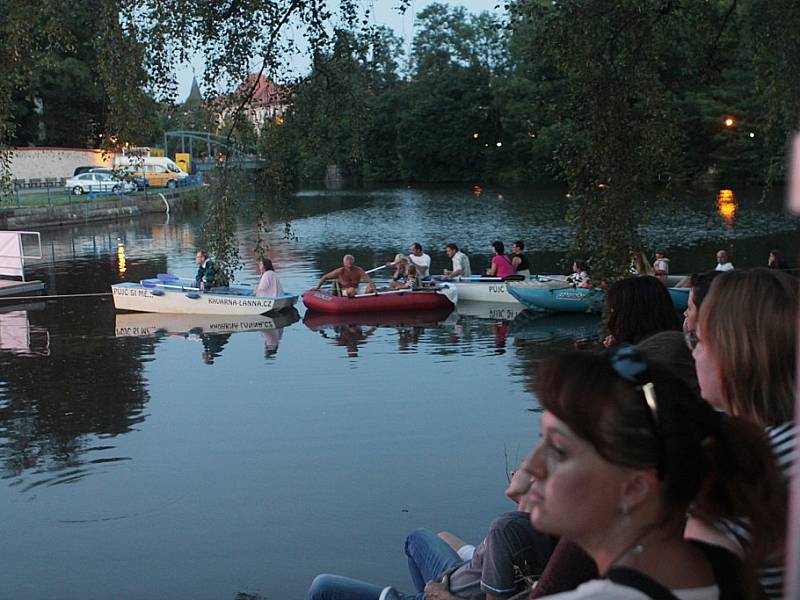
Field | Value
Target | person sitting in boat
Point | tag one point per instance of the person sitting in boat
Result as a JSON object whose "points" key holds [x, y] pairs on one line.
{"points": [[661, 266], [501, 265], [460, 260], [640, 265], [580, 273], [347, 277], [420, 260], [723, 262], [208, 273], [269, 286], [411, 281], [400, 264], [519, 260]]}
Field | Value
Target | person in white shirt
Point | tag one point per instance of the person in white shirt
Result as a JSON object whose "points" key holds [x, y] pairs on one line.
{"points": [[460, 260], [420, 260], [723, 264], [269, 286]]}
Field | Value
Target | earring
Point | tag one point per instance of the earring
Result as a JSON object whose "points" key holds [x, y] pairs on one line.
{"points": [[624, 509]]}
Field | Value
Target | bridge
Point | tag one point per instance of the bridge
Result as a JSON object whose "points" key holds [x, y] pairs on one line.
{"points": [[212, 146]]}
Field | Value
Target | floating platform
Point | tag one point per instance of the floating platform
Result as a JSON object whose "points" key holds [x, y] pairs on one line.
{"points": [[17, 288]]}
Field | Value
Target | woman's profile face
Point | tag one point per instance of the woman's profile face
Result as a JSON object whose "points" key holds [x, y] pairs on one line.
{"points": [[708, 372], [690, 314], [575, 491]]}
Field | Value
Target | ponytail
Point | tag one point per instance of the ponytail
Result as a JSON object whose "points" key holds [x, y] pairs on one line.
{"points": [[743, 485]]}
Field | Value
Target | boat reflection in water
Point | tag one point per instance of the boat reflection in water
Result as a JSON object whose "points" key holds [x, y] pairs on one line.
{"points": [[490, 310], [213, 331], [18, 336], [353, 330], [540, 327]]}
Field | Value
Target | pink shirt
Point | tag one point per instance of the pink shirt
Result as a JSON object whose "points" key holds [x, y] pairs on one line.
{"points": [[269, 286], [504, 266]]}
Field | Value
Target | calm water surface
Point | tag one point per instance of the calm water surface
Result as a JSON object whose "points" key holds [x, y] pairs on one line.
{"points": [[149, 456]]}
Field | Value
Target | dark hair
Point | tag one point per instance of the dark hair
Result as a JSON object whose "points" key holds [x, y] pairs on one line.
{"points": [[202, 252], [638, 308], [669, 348], [452, 247], [520, 244], [581, 264], [780, 260], [756, 361], [661, 252], [700, 284], [417, 246], [267, 264], [498, 247], [720, 465]]}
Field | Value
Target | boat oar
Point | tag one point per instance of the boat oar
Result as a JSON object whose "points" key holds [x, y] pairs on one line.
{"points": [[376, 269]]}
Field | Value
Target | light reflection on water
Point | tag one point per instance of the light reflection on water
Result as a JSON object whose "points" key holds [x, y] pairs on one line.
{"points": [[156, 456]]}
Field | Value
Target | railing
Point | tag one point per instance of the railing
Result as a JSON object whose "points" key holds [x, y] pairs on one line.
{"points": [[54, 193]]}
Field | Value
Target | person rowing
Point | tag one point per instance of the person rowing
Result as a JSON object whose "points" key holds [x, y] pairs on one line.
{"points": [[348, 277]]}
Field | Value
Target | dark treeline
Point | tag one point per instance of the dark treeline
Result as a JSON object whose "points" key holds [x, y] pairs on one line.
{"points": [[485, 100]]}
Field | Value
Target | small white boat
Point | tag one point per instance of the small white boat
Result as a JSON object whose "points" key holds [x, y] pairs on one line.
{"points": [[168, 294], [495, 289]]}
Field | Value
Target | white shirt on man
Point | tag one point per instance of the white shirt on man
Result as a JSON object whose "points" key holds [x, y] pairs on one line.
{"points": [[728, 266], [461, 266], [422, 263]]}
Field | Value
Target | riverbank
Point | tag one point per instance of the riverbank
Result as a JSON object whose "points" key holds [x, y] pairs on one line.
{"points": [[105, 208]]}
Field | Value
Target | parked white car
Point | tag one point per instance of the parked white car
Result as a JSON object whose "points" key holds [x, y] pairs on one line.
{"points": [[97, 182]]}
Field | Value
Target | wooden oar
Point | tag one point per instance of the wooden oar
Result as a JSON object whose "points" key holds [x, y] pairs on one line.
{"points": [[375, 269]]}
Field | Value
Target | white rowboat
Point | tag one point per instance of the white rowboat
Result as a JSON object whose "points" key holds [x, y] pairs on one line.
{"points": [[175, 296]]}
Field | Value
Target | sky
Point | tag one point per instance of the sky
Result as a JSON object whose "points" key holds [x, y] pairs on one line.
{"points": [[383, 12]]}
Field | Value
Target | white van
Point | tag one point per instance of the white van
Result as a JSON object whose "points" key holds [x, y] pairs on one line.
{"points": [[158, 170]]}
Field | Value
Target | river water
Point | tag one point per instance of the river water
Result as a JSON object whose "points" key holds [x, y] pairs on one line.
{"points": [[147, 456]]}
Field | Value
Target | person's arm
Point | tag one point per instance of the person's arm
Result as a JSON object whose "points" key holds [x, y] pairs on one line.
{"points": [[368, 279], [439, 591], [332, 275], [492, 270], [515, 262], [455, 542]]}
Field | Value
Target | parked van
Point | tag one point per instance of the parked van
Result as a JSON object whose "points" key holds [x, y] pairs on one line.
{"points": [[159, 171]]}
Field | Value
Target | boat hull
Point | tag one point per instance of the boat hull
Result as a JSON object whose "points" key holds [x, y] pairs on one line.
{"points": [[174, 299], [317, 321], [494, 289], [417, 300], [579, 300]]}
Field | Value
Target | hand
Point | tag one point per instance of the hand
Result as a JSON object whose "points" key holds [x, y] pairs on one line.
{"points": [[438, 591], [609, 341]]}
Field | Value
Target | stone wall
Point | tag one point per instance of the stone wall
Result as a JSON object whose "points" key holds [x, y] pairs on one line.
{"points": [[30, 163]]}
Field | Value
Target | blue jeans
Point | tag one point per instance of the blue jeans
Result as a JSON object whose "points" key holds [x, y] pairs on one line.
{"points": [[429, 557]]}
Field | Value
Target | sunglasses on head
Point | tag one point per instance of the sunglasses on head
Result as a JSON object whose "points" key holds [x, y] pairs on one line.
{"points": [[632, 366]]}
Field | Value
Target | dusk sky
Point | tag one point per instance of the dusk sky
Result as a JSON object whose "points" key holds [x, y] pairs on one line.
{"points": [[383, 12]]}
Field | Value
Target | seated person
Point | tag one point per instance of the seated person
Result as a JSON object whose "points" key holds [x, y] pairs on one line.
{"points": [[580, 275], [519, 260], [269, 286], [661, 266], [420, 260], [208, 274], [411, 280], [400, 263], [348, 276], [443, 567], [460, 260], [501, 265]]}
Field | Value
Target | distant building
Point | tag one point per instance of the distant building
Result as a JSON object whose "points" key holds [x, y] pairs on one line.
{"points": [[195, 98], [269, 101]]}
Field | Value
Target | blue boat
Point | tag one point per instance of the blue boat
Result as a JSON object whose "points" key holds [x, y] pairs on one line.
{"points": [[565, 299], [577, 300]]}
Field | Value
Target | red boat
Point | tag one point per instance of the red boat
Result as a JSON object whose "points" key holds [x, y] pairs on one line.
{"points": [[390, 301], [317, 321]]}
